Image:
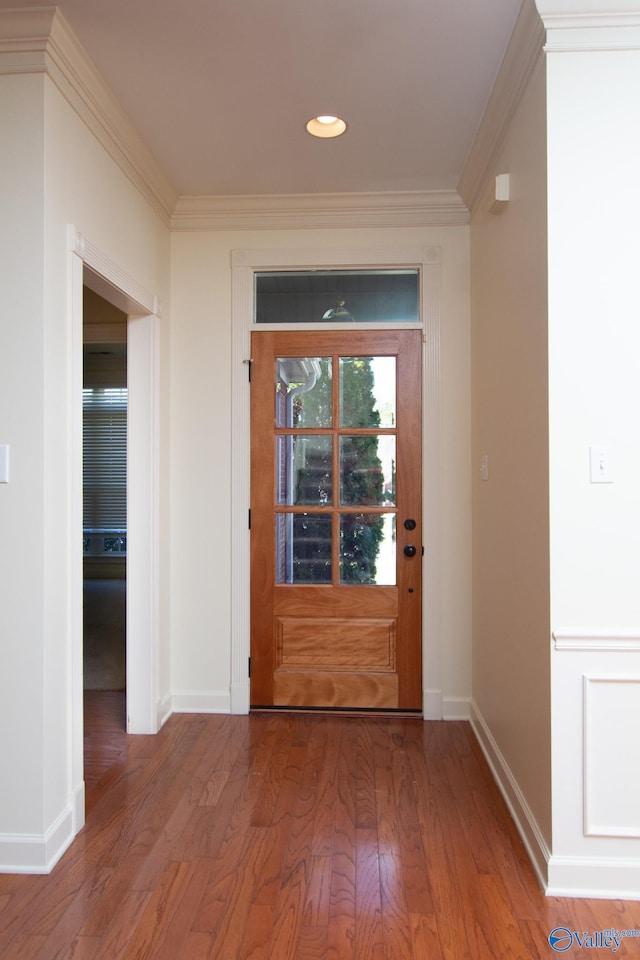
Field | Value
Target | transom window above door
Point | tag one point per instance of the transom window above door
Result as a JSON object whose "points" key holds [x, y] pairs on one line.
{"points": [[338, 296]]}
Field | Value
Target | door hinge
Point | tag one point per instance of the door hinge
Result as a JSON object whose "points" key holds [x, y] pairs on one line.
{"points": [[249, 518], [249, 667], [249, 364]]}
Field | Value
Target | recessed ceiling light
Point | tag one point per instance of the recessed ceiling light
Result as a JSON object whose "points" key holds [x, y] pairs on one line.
{"points": [[326, 126]]}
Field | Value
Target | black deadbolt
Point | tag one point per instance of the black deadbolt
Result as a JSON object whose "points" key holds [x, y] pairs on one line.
{"points": [[409, 524]]}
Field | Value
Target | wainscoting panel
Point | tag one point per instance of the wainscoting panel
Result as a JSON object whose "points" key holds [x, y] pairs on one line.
{"points": [[611, 765], [595, 690]]}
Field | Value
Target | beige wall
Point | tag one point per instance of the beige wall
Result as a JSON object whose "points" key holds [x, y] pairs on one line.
{"points": [[201, 396], [510, 426]]}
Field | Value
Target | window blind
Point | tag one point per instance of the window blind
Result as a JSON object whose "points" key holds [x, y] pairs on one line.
{"points": [[105, 458]]}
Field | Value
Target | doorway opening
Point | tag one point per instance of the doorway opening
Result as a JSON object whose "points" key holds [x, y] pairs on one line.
{"points": [[105, 403], [247, 267], [137, 330]]}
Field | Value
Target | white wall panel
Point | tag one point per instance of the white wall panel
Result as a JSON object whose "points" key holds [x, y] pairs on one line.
{"points": [[593, 137], [596, 776], [611, 760]]}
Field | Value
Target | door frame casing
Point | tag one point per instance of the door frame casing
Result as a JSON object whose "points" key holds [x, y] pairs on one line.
{"points": [[89, 266], [244, 265]]}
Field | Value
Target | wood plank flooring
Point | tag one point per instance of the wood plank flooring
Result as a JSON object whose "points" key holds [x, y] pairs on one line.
{"points": [[290, 837]]}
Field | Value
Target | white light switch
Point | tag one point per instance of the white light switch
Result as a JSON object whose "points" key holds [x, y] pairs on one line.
{"points": [[600, 464], [4, 463]]}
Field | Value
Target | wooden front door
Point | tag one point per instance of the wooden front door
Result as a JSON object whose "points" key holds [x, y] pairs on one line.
{"points": [[336, 526]]}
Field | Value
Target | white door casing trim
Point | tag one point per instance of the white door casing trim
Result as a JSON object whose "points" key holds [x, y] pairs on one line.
{"points": [[88, 265], [244, 264]]}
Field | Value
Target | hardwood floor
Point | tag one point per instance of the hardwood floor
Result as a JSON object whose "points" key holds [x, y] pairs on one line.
{"points": [[290, 836], [104, 630]]}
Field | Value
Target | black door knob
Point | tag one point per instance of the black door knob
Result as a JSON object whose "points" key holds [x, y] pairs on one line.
{"points": [[409, 550]]}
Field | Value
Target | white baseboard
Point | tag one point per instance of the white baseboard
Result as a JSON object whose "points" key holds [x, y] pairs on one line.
{"points": [[37, 853], [240, 698], [206, 701], [456, 708], [523, 818], [437, 707], [432, 704], [163, 710], [594, 878], [77, 805]]}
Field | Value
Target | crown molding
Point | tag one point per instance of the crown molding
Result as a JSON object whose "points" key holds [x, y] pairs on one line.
{"points": [[297, 211], [581, 9], [582, 33], [524, 54], [590, 25], [39, 40]]}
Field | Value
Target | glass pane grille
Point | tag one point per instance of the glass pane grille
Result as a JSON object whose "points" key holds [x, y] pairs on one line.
{"points": [[303, 392], [368, 548], [335, 453], [367, 391], [304, 470], [365, 479], [303, 548]]}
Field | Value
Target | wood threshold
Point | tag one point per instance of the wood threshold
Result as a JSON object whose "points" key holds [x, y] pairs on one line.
{"points": [[371, 712]]}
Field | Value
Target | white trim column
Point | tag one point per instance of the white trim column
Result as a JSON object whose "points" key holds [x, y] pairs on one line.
{"points": [[76, 704], [593, 143], [143, 524], [242, 317]]}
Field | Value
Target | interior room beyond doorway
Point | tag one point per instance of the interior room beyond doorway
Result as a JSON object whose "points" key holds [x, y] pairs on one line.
{"points": [[104, 494]]}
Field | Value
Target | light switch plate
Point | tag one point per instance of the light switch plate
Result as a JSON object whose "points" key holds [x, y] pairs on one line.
{"points": [[4, 463], [600, 464]]}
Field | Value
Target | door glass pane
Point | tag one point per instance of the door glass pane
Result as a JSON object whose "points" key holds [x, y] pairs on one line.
{"points": [[368, 548], [367, 471], [367, 391], [303, 392], [304, 469], [303, 548]]}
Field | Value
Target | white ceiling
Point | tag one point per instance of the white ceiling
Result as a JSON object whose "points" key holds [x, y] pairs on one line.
{"points": [[221, 89]]}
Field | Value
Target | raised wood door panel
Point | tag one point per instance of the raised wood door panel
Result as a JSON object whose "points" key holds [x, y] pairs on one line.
{"points": [[335, 602]]}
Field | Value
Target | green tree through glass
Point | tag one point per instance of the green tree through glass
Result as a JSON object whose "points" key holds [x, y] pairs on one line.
{"points": [[362, 476]]}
